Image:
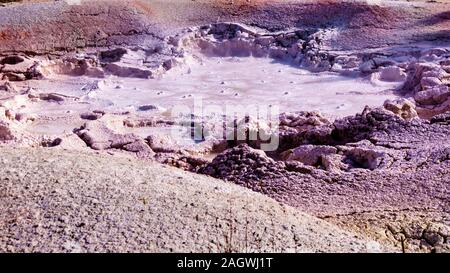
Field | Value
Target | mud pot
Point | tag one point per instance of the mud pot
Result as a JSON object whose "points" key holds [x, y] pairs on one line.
{"points": [[346, 119]]}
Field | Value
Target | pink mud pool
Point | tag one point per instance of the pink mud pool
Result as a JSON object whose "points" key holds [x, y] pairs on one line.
{"points": [[215, 81]]}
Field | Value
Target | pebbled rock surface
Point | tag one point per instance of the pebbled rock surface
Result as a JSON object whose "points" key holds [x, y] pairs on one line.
{"points": [[375, 163]]}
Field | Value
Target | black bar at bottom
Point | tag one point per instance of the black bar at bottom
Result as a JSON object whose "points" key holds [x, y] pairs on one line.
{"points": [[220, 262]]}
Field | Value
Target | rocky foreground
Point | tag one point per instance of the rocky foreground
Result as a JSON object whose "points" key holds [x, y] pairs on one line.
{"points": [[56, 201], [382, 173], [375, 173]]}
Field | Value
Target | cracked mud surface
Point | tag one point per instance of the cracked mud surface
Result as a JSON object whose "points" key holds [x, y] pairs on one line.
{"points": [[363, 93]]}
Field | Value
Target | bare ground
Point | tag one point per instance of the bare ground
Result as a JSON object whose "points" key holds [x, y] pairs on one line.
{"points": [[60, 201], [71, 201]]}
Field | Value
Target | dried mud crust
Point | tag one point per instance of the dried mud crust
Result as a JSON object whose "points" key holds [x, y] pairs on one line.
{"points": [[375, 168], [60, 201], [146, 22]]}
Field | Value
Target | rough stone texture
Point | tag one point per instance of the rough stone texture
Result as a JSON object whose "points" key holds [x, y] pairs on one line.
{"points": [[18, 68], [5, 131], [383, 164], [302, 127], [94, 115], [428, 82], [69, 142], [64, 27], [309, 154], [392, 74], [98, 136], [402, 107], [7, 87]]}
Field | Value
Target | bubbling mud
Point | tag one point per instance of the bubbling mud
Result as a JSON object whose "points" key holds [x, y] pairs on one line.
{"points": [[216, 81], [134, 92], [231, 80]]}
